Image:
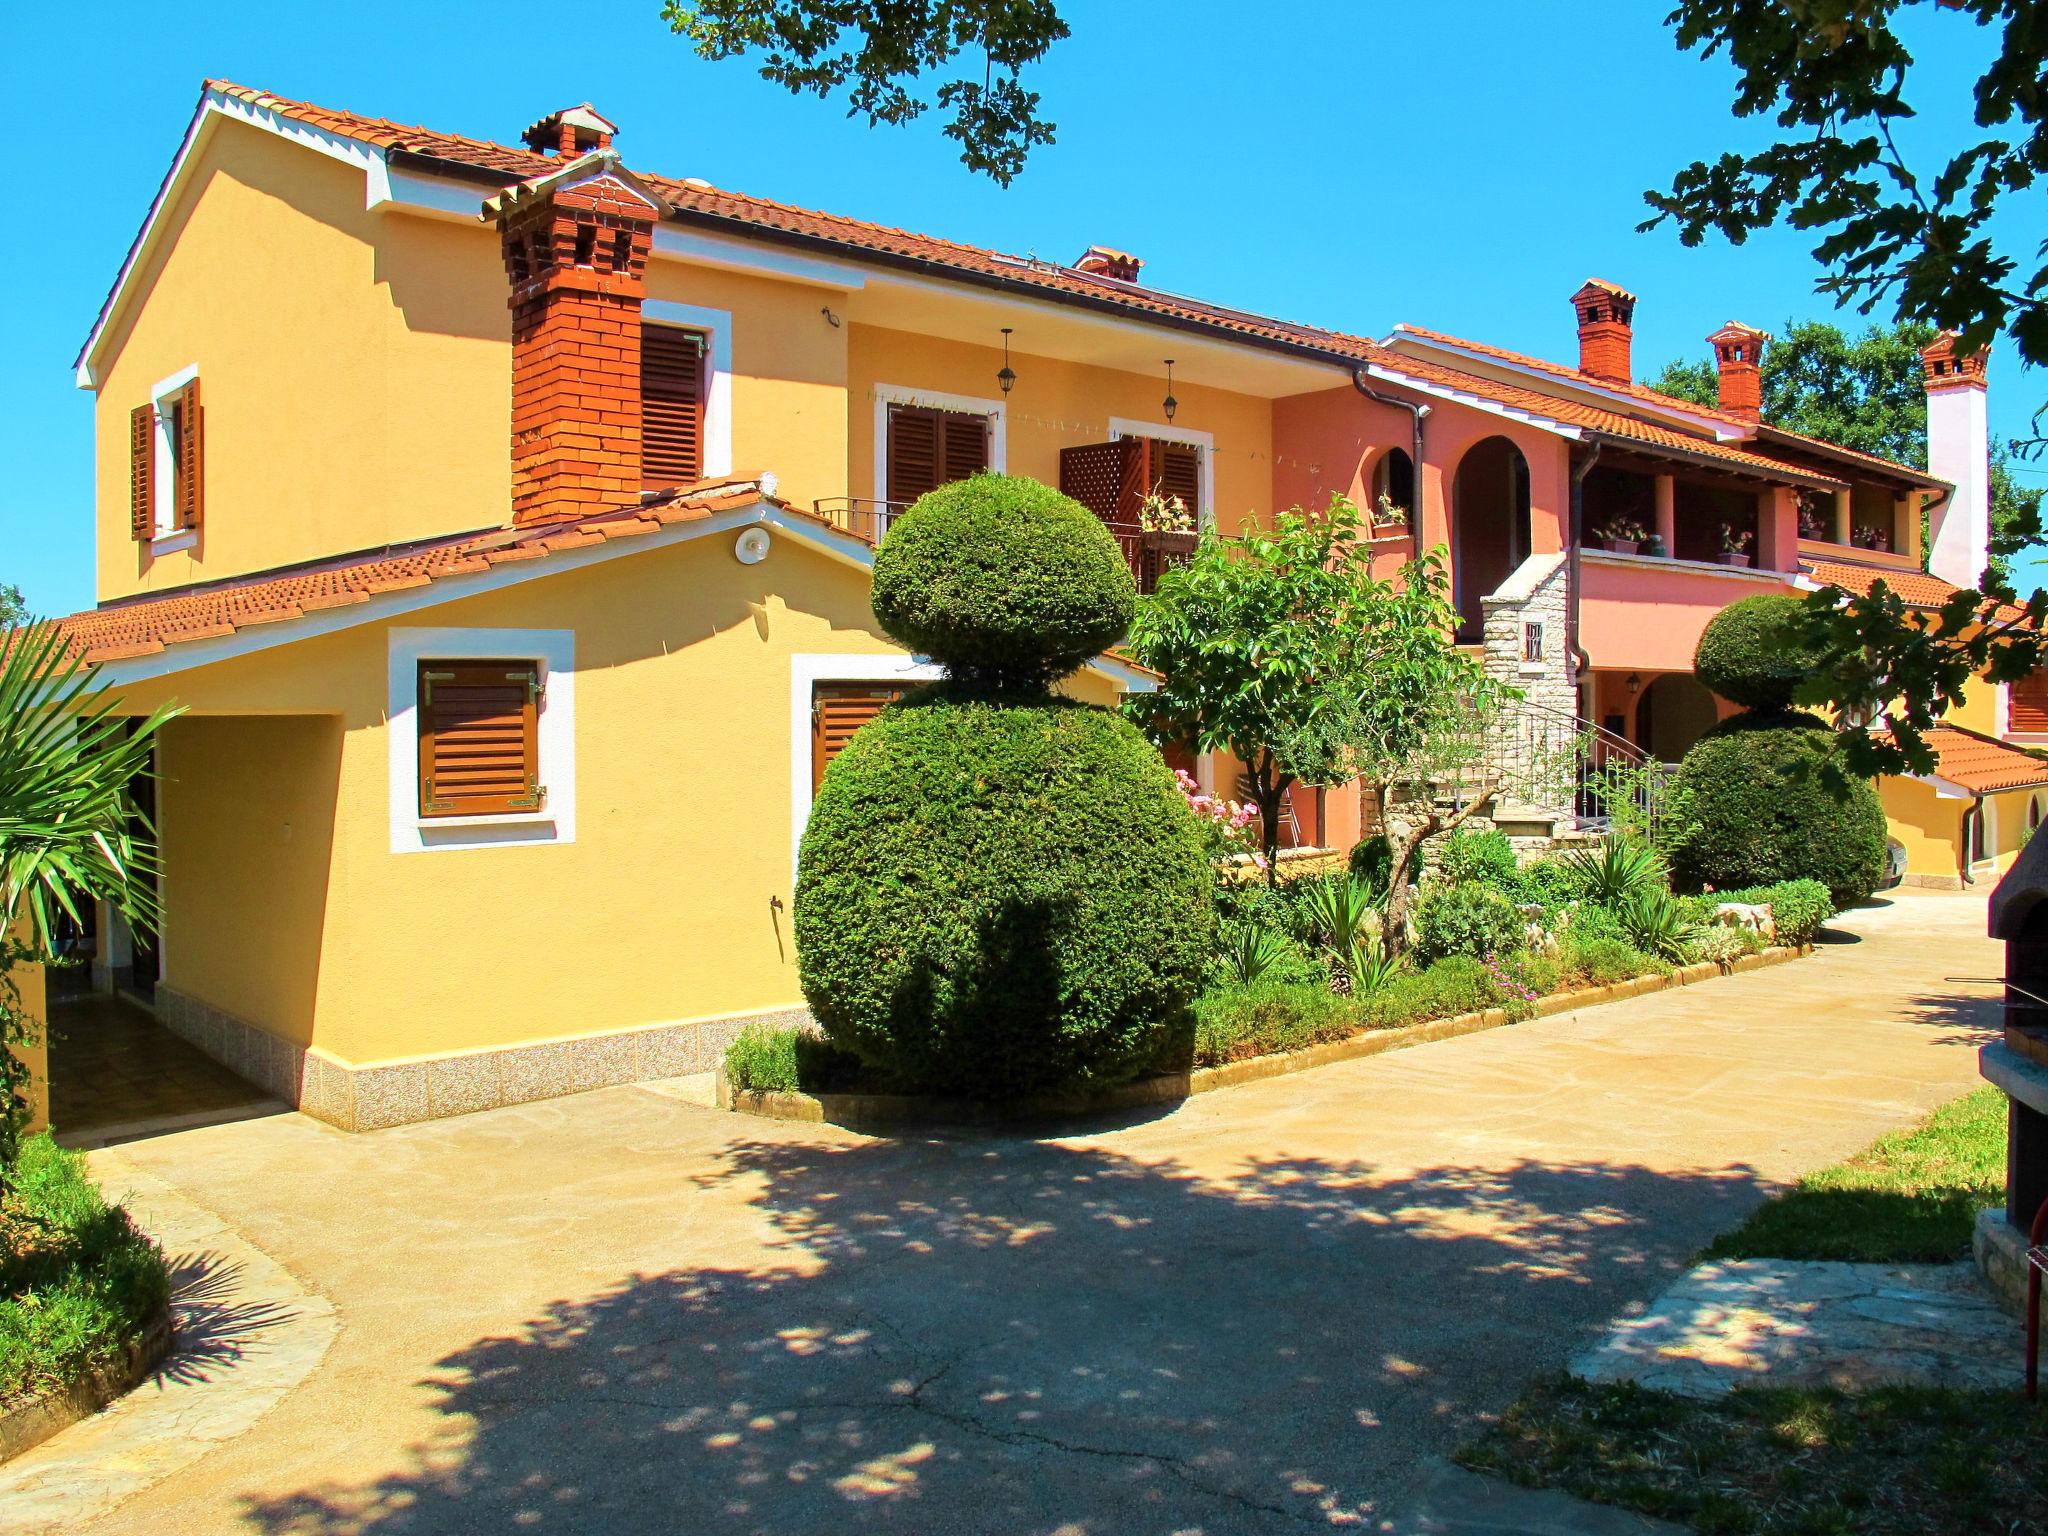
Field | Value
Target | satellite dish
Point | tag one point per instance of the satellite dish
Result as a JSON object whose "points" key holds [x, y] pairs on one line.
{"points": [[751, 548]]}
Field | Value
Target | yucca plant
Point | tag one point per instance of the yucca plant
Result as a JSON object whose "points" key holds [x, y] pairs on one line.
{"points": [[1367, 965], [1620, 868], [69, 832], [1655, 922], [1252, 952], [1337, 907]]}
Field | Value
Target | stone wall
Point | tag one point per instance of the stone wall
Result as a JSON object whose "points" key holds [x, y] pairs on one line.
{"points": [[1525, 649]]}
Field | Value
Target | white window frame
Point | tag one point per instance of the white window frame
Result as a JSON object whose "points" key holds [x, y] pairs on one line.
{"points": [[886, 395], [1187, 437], [717, 326], [806, 670], [165, 536], [553, 651]]}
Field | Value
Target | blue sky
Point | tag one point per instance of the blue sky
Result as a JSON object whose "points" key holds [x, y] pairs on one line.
{"points": [[1462, 166]]}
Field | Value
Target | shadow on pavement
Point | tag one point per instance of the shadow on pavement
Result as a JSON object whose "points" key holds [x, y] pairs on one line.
{"points": [[1016, 1336]]}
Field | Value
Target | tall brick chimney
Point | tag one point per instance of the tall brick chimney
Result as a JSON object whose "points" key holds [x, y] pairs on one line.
{"points": [[1607, 315], [570, 132], [576, 243], [1739, 354], [1958, 451]]}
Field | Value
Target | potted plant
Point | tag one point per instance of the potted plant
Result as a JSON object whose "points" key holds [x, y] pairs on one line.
{"points": [[1389, 521], [1735, 544], [1811, 524], [1653, 546], [1870, 536], [1622, 535], [1166, 524]]}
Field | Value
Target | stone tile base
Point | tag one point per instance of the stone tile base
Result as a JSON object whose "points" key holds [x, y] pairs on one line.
{"points": [[1933, 882], [433, 1088], [2001, 1250]]}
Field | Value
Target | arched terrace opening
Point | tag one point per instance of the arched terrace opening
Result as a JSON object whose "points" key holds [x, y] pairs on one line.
{"points": [[1675, 711], [1489, 527]]}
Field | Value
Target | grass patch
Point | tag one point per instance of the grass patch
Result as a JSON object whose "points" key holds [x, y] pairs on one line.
{"points": [[1910, 1197], [1784, 1462], [784, 1060], [78, 1282]]}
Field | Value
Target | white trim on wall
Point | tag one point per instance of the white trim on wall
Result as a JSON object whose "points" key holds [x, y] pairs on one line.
{"points": [[554, 650], [717, 323], [810, 667], [1166, 432], [165, 535], [887, 395]]}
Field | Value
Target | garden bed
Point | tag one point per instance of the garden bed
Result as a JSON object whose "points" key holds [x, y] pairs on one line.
{"points": [[84, 1299], [877, 1112]]}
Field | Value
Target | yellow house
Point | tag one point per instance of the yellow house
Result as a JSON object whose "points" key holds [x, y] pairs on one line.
{"points": [[502, 516]]}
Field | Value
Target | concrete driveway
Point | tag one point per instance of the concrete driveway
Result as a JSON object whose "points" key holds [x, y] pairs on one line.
{"points": [[623, 1313]]}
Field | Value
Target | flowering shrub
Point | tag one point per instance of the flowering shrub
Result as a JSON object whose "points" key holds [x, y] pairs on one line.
{"points": [[1230, 826], [1165, 514], [1516, 995]]}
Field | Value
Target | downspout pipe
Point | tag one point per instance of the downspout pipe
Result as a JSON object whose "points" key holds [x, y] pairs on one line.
{"points": [[1574, 538], [1419, 413]]}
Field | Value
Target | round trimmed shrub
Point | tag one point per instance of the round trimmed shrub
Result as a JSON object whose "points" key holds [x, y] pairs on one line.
{"points": [[1747, 653], [1469, 918], [1002, 577], [1758, 812], [1000, 896]]}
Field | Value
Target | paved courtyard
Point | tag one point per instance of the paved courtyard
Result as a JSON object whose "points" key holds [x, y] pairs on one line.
{"points": [[1264, 1311]]}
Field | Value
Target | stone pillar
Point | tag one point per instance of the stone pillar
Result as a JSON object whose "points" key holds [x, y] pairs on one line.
{"points": [[1667, 513], [1906, 525], [1839, 527]]}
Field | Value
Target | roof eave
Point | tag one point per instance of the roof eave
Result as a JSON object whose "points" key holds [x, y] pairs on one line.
{"points": [[1785, 474]]}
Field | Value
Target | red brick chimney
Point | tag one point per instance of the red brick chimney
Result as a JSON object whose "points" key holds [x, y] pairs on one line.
{"points": [[1606, 314], [1739, 354], [576, 243], [1104, 262], [570, 132]]}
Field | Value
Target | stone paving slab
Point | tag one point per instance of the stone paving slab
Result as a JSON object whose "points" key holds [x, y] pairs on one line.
{"points": [[1779, 1323], [247, 1333]]}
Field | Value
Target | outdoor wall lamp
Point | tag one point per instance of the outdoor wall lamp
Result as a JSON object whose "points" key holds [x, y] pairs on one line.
{"points": [[1635, 683], [1169, 404], [1008, 376]]}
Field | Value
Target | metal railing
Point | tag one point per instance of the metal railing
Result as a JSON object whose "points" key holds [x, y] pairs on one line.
{"points": [[1571, 764], [861, 516]]}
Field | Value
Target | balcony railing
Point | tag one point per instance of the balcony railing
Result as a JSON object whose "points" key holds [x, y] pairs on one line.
{"points": [[860, 516]]}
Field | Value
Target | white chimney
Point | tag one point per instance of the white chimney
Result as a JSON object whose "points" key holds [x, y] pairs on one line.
{"points": [[1959, 451]]}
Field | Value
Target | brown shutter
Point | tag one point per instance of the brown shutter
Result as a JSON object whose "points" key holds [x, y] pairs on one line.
{"points": [[671, 406], [1106, 478], [965, 440], [142, 472], [913, 453], [2027, 704], [190, 493], [1177, 471], [479, 738], [837, 711]]}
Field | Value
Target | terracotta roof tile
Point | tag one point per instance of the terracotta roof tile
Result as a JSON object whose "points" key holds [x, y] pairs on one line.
{"points": [[693, 197], [143, 626], [1982, 764], [1917, 589]]}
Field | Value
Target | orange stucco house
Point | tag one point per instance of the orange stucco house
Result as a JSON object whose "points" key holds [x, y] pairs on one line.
{"points": [[502, 511]]}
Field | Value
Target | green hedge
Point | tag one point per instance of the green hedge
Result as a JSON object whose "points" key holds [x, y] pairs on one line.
{"points": [[1487, 857], [1748, 656], [1233, 1023], [1459, 984], [997, 897], [1002, 575], [1757, 813], [85, 1292], [1798, 907], [1466, 919]]}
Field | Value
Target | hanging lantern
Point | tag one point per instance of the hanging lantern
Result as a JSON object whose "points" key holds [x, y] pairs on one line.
{"points": [[1169, 404], [1008, 377]]}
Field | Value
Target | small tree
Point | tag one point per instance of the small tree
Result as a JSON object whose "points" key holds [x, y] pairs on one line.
{"points": [[1281, 648], [69, 832]]}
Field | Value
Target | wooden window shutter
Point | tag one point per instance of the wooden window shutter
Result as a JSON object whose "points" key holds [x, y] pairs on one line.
{"points": [[190, 491], [671, 406], [837, 711], [913, 453], [2027, 703], [1177, 471], [479, 738], [142, 472], [965, 441]]}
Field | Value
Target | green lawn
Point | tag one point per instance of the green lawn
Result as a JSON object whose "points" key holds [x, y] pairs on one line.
{"points": [[1908, 1197], [1799, 1462], [1897, 1461], [78, 1282]]}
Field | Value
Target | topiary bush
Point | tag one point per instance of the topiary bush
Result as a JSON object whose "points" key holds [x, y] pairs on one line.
{"points": [[1372, 860], [1467, 919], [1757, 813], [1748, 655], [1004, 580], [1486, 856], [1002, 892]]}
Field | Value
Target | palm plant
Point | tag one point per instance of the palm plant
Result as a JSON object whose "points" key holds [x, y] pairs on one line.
{"points": [[69, 830], [1622, 867], [1656, 923], [1252, 952]]}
